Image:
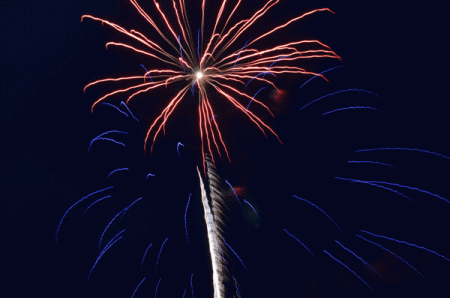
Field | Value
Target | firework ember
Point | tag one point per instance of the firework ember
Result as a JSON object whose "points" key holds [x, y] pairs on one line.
{"points": [[201, 66]]}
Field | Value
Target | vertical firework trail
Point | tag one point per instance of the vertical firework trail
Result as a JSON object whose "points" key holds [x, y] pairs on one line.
{"points": [[213, 241]]}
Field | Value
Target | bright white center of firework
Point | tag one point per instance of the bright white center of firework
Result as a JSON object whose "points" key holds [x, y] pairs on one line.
{"points": [[199, 75]]}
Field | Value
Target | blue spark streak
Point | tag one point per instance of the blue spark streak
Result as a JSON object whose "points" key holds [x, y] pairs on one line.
{"points": [[107, 139], [185, 223], [348, 269], [406, 149], [213, 117], [150, 175], [233, 191], [123, 211], [235, 254], [240, 53], [178, 146], [111, 105], [100, 255], [319, 74], [181, 53], [143, 258], [95, 202], [192, 88], [365, 263], [99, 137], [254, 97], [374, 162], [412, 188], [192, 288], [126, 209], [108, 245], [235, 283], [137, 287], [156, 290], [160, 250], [104, 231], [298, 241], [404, 242], [262, 73], [390, 253], [352, 108], [252, 207], [184, 293], [126, 107], [319, 209], [116, 171], [113, 240], [198, 44], [82, 199], [373, 184], [146, 71], [337, 92]]}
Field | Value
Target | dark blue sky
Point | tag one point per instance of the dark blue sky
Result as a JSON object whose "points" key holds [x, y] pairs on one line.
{"points": [[48, 56]]}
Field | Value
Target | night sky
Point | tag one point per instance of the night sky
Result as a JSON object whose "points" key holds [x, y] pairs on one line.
{"points": [[396, 52]]}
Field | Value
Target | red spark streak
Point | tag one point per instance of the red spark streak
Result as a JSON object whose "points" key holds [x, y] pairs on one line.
{"points": [[251, 62]]}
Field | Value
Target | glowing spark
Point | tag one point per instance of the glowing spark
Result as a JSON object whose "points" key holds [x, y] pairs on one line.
{"points": [[373, 162], [252, 207], [76, 203], [100, 137], [298, 241], [178, 148], [236, 255], [159, 254], [122, 169], [156, 290], [233, 191], [206, 64], [138, 287], [359, 258], [185, 223], [338, 92], [376, 185], [347, 268], [319, 209], [404, 242], [126, 209], [320, 74], [120, 111], [104, 231], [143, 258], [101, 199], [351, 108], [390, 253], [406, 149], [412, 188], [110, 243]]}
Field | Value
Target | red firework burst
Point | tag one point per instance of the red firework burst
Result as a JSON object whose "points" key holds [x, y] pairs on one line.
{"points": [[211, 67]]}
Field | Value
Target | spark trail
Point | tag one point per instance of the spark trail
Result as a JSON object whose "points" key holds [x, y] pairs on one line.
{"points": [[215, 64], [213, 241]]}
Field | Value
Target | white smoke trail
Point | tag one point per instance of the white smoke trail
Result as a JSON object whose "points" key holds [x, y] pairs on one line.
{"points": [[213, 243]]}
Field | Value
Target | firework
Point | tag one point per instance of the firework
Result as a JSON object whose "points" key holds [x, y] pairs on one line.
{"points": [[213, 63]]}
